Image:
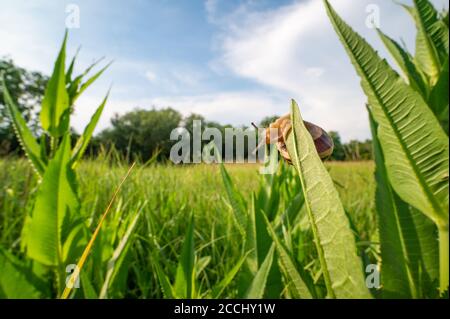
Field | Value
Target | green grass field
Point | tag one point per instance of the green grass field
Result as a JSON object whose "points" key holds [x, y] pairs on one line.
{"points": [[166, 196]]}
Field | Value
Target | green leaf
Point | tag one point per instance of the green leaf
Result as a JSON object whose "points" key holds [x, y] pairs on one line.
{"points": [[26, 139], [56, 204], [16, 280], [406, 64], [414, 145], [164, 281], [438, 99], [87, 287], [393, 214], [83, 140], [74, 243], [263, 242], [427, 47], [88, 83], [292, 211], [185, 278], [115, 264], [296, 285], [71, 67], [55, 104], [236, 200], [426, 251], [258, 285], [335, 243], [227, 279]]}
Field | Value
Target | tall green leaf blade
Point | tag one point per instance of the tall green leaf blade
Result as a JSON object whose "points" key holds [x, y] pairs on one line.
{"points": [[87, 287], [263, 242], [56, 203], [438, 99], [396, 275], [435, 28], [297, 287], [15, 278], [166, 287], [406, 64], [71, 67], [185, 278], [83, 140], [55, 104], [74, 85], [414, 144], [335, 243], [258, 285], [427, 48], [91, 80], [227, 279], [427, 254], [116, 263], [236, 200], [27, 140]]}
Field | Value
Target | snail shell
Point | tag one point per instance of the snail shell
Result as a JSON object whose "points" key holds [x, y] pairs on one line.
{"points": [[323, 142]]}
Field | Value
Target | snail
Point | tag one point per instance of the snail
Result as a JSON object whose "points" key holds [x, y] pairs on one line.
{"points": [[323, 142]]}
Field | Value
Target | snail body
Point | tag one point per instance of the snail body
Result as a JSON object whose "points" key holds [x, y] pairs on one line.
{"points": [[283, 126]]}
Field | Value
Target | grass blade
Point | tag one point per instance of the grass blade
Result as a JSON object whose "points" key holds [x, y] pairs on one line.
{"points": [[236, 200], [89, 246], [228, 278], [258, 285], [116, 261], [297, 288], [185, 278], [166, 288]]}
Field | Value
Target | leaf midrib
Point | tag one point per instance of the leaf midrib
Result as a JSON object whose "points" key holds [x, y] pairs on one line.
{"points": [[319, 247]]}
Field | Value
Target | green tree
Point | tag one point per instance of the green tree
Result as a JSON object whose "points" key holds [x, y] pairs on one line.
{"points": [[142, 132], [338, 151]]}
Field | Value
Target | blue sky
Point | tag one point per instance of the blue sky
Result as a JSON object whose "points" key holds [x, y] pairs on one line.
{"points": [[231, 61]]}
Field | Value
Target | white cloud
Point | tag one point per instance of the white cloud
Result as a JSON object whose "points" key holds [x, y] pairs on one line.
{"points": [[293, 50], [210, 8], [290, 52], [151, 76]]}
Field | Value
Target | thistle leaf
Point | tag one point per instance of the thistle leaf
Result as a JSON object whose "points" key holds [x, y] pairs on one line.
{"points": [[26, 139], [406, 64], [414, 145], [16, 280], [55, 104], [335, 242], [83, 140], [56, 204]]}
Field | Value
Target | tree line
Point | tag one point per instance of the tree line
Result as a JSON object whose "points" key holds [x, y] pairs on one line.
{"points": [[141, 133]]}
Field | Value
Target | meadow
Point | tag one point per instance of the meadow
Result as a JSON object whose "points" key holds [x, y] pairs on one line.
{"points": [[73, 227], [166, 195]]}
